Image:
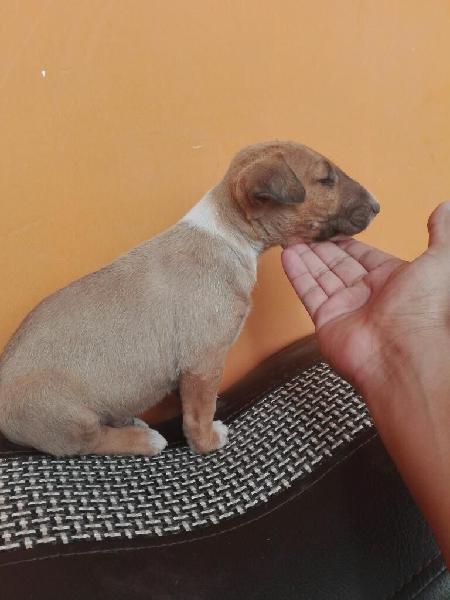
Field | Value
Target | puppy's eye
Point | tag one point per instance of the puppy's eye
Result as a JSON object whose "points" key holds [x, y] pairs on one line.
{"points": [[327, 181]]}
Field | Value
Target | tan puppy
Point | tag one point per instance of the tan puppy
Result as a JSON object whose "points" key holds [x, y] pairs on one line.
{"points": [[114, 343]]}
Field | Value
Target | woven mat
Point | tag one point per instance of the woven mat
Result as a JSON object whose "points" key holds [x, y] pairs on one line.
{"points": [[284, 436]]}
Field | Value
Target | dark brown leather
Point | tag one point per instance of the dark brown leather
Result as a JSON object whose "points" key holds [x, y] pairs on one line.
{"points": [[349, 531]]}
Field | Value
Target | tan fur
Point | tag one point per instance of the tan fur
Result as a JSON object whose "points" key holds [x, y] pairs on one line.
{"points": [[114, 343], [198, 394]]}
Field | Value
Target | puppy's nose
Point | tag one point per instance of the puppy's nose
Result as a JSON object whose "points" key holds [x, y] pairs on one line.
{"points": [[374, 205]]}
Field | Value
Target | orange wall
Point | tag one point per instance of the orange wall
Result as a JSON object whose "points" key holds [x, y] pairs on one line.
{"points": [[143, 103]]}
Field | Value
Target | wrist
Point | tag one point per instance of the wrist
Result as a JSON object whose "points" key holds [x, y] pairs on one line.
{"points": [[418, 361], [409, 399]]}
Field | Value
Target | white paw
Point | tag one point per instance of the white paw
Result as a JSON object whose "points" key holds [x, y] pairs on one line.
{"points": [[140, 423], [222, 431], [157, 441]]}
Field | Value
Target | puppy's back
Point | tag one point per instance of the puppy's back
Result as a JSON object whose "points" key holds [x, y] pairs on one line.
{"points": [[126, 330]]}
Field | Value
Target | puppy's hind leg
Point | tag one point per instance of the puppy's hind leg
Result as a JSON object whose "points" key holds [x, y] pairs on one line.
{"points": [[131, 439], [51, 414], [87, 435]]}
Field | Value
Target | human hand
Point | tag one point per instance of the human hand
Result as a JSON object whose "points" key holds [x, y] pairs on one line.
{"points": [[371, 308], [384, 324]]}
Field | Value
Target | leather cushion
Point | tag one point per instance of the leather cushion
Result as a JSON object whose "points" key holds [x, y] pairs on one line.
{"points": [[349, 529]]}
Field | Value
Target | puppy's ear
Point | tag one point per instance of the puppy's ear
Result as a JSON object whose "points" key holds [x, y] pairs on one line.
{"points": [[268, 181]]}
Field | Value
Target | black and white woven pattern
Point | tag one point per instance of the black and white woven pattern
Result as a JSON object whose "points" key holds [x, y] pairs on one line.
{"points": [[283, 436]]}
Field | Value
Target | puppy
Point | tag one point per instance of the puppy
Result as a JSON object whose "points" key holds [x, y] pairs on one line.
{"points": [[115, 342]]}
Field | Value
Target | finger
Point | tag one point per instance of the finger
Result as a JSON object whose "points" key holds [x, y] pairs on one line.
{"points": [[291, 261], [370, 258], [307, 289], [339, 262], [328, 281], [439, 225]]}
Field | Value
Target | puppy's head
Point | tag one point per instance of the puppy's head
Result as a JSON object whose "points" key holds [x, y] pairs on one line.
{"points": [[289, 193]]}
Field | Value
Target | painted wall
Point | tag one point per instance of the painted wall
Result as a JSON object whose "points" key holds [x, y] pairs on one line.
{"points": [[116, 116]]}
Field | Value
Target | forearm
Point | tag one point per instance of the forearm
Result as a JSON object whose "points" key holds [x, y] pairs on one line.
{"points": [[410, 404]]}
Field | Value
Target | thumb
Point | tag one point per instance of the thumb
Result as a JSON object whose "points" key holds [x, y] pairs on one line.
{"points": [[439, 225]]}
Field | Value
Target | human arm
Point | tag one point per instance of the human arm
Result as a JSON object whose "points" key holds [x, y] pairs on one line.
{"points": [[384, 324]]}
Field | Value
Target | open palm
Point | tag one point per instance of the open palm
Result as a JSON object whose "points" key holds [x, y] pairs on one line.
{"points": [[361, 298]]}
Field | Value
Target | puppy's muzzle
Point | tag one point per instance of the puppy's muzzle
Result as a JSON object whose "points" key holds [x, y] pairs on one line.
{"points": [[360, 214], [352, 219]]}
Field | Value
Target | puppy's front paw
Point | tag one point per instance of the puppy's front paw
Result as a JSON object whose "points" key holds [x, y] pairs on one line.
{"points": [[221, 434], [216, 438]]}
